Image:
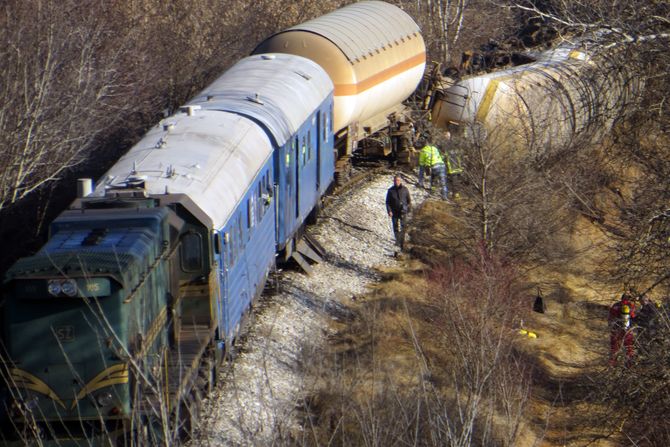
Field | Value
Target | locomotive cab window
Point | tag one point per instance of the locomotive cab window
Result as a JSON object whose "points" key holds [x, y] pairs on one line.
{"points": [[191, 252]]}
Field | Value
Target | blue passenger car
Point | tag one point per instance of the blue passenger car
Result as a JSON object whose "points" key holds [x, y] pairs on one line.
{"points": [[292, 99]]}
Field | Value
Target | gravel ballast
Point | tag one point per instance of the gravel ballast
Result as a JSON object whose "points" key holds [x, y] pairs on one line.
{"points": [[257, 402]]}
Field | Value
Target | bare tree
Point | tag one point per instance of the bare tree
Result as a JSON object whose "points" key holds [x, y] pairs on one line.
{"points": [[450, 26], [58, 82]]}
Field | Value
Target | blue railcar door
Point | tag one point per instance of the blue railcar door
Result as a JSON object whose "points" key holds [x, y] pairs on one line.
{"points": [[308, 170], [222, 277], [290, 204]]}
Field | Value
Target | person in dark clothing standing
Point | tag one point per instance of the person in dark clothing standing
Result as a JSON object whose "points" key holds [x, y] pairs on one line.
{"points": [[398, 205]]}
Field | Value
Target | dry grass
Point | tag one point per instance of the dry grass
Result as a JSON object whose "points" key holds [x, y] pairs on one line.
{"points": [[398, 342]]}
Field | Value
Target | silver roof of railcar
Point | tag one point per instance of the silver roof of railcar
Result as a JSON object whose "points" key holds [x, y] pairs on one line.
{"points": [[210, 156], [360, 28], [279, 90]]}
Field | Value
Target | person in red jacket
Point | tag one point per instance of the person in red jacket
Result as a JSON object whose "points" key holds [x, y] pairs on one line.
{"points": [[620, 322]]}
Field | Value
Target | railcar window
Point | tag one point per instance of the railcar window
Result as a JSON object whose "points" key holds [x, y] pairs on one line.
{"points": [[304, 151], [259, 199], [324, 127], [234, 234], [191, 252], [266, 192], [290, 153], [228, 240], [309, 145], [251, 212], [240, 236], [237, 230], [233, 242]]}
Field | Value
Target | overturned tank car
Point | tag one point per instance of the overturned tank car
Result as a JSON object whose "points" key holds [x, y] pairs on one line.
{"points": [[568, 95]]}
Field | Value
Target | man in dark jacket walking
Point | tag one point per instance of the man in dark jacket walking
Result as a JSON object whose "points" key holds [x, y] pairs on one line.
{"points": [[398, 205]]}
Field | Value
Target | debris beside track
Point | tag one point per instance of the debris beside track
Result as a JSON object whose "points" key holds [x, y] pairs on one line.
{"points": [[258, 401]]}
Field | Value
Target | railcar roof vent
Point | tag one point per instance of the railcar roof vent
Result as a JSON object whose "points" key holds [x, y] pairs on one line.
{"points": [[268, 57], [189, 110], [256, 98], [95, 237], [161, 142]]}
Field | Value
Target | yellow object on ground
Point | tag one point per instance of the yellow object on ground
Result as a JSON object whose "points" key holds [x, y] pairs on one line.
{"points": [[527, 333]]}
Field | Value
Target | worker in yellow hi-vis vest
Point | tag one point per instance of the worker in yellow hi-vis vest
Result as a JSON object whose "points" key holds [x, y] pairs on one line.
{"points": [[430, 158]]}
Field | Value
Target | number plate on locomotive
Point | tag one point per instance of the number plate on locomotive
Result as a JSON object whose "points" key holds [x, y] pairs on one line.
{"points": [[64, 333]]}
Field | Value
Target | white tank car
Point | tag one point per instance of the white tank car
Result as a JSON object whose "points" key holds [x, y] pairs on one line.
{"points": [[372, 51], [569, 93]]}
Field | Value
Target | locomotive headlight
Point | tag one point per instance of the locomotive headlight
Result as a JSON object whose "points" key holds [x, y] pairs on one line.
{"points": [[104, 399], [54, 287], [69, 287]]}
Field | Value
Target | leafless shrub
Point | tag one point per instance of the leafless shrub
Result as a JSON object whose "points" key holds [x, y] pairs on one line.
{"points": [[447, 374], [58, 84], [449, 27], [480, 306]]}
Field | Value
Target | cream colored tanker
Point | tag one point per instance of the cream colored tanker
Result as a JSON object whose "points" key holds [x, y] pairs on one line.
{"points": [[373, 52], [568, 94]]}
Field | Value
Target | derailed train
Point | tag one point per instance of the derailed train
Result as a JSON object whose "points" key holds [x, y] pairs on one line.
{"points": [[568, 95], [118, 323]]}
